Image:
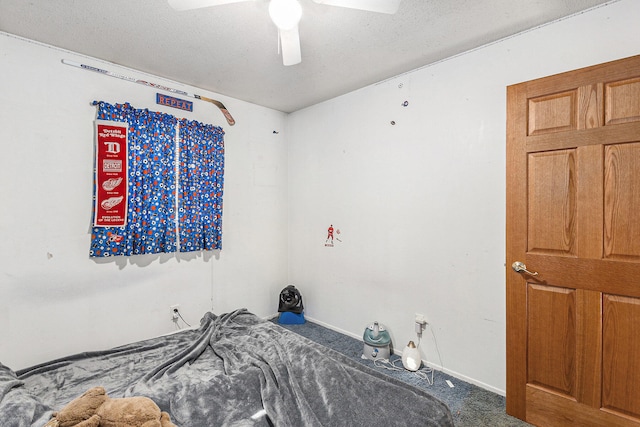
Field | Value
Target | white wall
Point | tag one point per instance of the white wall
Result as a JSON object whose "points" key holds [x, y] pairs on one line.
{"points": [[421, 205], [54, 299]]}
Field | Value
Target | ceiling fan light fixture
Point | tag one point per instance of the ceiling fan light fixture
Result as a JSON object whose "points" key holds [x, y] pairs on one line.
{"points": [[285, 13]]}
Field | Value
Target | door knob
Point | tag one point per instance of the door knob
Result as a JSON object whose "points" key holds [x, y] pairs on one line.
{"points": [[520, 267]]}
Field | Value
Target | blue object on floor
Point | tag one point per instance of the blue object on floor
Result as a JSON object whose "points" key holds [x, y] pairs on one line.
{"points": [[289, 318]]}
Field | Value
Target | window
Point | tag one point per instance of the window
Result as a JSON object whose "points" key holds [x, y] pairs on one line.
{"points": [[175, 185]]}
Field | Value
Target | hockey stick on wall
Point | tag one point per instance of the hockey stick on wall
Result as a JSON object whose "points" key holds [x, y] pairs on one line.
{"points": [[218, 104]]}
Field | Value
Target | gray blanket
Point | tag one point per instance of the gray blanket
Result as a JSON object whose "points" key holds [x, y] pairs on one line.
{"points": [[234, 370]]}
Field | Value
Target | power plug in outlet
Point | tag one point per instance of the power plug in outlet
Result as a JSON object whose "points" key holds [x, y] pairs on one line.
{"points": [[421, 323]]}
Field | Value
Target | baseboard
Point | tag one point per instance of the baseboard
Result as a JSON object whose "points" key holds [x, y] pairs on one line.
{"points": [[466, 379], [333, 328], [186, 328]]}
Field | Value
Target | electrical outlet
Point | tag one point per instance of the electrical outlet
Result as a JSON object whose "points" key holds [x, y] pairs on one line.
{"points": [[420, 318], [175, 309]]}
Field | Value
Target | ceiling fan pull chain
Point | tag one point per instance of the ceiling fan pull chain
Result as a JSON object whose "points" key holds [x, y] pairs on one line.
{"points": [[279, 42]]}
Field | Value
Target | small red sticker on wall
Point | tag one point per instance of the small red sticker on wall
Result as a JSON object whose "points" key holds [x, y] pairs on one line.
{"points": [[330, 236], [111, 174]]}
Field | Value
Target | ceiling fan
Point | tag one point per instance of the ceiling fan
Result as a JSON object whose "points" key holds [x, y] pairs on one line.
{"points": [[286, 15]]}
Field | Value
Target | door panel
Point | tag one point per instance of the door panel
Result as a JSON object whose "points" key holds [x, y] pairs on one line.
{"points": [[620, 361], [573, 216], [622, 101], [553, 113], [552, 203], [622, 203], [551, 332]]}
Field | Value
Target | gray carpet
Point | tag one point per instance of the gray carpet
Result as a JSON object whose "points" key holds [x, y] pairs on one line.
{"points": [[470, 405]]}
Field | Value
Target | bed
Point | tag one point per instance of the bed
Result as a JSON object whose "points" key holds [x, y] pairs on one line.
{"points": [[235, 369]]}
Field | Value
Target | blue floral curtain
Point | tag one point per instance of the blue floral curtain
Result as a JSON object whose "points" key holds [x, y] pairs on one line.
{"points": [[201, 183], [152, 225]]}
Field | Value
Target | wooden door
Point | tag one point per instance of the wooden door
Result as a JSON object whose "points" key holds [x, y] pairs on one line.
{"points": [[573, 216]]}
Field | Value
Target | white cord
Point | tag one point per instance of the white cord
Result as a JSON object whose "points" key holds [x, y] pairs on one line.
{"points": [[177, 316], [391, 366], [437, 349]]}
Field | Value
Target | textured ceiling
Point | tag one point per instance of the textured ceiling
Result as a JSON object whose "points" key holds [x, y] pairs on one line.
{"points": [[232, 49]]}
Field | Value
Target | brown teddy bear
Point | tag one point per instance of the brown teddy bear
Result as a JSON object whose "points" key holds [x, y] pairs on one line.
{"points": [[95, 409]]}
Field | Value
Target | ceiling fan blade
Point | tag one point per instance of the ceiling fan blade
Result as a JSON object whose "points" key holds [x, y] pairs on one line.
{"points": [[197, 4], [382, 6], [290, 42]]}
